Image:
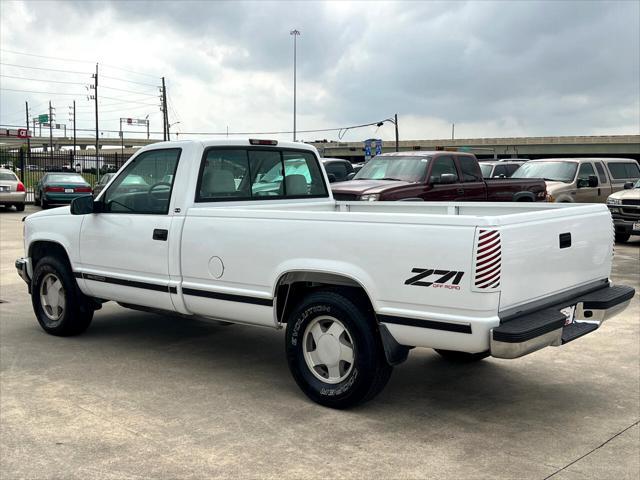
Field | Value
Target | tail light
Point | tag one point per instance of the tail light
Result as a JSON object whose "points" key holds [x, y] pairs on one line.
{"points": [[53, 189], [83, 190], [20, 187], [488, 261]]}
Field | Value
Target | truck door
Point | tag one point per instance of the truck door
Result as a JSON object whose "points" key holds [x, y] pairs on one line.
{"points": [[124, 249], [472, 181], [584, 192], [443, 181]]}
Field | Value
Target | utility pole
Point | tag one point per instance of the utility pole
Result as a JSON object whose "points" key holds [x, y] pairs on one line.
{"points": [[295, 34], [397, 138], [50, 131], [121, 139], [165, 116], [26, 106], [74, 128], [453, 131], [95, 100]]}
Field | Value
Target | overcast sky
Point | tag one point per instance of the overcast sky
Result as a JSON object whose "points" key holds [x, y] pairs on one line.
{"points": [[495, 69]]}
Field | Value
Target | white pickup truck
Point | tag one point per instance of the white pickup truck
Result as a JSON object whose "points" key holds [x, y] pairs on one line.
{"points": [[248, 232]]}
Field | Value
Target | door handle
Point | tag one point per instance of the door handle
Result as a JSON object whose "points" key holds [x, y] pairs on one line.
{"points": [[461, 191], [160, 234]]}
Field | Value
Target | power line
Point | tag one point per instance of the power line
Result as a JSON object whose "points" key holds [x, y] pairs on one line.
{"points": [[129, 91], [43, 68], [129, 71], [46, 93], [130, 101], [41, 80], [44, 56], [129, 81]]}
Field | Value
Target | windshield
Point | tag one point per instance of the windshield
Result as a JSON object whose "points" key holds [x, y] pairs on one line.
{"points": [[65, 178], [7, 176], [551, 171], [409, 169], [486, 170]]}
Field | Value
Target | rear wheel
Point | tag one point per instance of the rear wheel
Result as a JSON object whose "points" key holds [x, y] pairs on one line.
{"points": [[622, 237], [44, 204], [36, 200], [19, 207], [334, 351], [461, 357], [60, 307]]}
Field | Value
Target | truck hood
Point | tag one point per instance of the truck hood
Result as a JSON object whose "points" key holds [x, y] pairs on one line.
{"points": [[360, 187], [64, 210], [632, 193], [554, 186]]}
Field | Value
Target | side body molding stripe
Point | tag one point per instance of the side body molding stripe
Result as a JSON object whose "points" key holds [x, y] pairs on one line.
{"points": [[432, 324]]}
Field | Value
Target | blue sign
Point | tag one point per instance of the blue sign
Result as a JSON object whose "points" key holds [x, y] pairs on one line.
{"points": [[378, 146], [367, 149]]}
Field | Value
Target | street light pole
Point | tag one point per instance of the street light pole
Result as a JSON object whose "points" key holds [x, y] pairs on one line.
{"points": [[393, 120], [294, 33]]}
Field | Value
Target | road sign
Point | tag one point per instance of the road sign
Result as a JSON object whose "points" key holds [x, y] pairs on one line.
{"points": [[23, 133], [135, 121], [367, 150], [43, 118], [20, 133], [378, 146]]}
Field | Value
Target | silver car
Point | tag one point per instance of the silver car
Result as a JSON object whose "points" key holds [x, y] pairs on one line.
{"points": [[12, 191]]}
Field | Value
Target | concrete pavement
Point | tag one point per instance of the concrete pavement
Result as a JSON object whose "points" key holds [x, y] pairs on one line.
{"points": [[145, 396]]}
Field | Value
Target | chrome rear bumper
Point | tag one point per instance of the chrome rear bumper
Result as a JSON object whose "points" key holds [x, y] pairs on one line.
{"points": [[559, 324]]}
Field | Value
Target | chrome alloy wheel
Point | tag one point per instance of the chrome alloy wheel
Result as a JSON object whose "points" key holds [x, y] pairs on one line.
{"points": [[52, 298], [328, 349]]}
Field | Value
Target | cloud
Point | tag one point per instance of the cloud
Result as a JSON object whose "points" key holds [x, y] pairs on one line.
{"points": [[495, 69]]}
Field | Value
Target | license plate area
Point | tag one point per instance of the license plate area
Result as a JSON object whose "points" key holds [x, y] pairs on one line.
{"points": [[636, 227], [68, 190], [4, 188]]}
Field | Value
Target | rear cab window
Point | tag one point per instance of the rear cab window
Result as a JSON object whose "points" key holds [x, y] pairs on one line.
{"points": [[469, 169], [258, 173]]}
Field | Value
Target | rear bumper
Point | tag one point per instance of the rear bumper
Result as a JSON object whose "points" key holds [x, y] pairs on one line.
{"points": [[559, 324], [12, 197], [62, 198]]}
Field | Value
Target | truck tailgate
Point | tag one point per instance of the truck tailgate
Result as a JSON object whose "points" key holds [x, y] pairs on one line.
{"points": [[554, 254]]}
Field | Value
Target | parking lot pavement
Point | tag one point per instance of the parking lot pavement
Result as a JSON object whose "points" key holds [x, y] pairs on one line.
{"points": [[141, 395]]}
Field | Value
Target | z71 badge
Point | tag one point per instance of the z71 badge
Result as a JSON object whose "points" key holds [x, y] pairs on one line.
{"points": [[430, 277]]}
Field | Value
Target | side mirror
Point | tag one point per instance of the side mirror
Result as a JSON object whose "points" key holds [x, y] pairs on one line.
{"points": [[593, 181], [83, 205], [448, 178], [351, 175], [628, 185], [331, 177]]}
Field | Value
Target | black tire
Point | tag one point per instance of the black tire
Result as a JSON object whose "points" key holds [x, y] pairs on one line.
{"points": [[369, 371], [622, 237], [19, 207], [44, 204], [462, 357], [76, 315], [36, 201]]}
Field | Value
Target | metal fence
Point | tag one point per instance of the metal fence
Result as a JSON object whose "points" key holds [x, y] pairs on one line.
{"points": [[31, 166]]}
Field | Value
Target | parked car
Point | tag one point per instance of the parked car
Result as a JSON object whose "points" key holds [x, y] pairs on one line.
{"points": [[59, 188], [12, 191], [456, 278], [97, 188], [338, 169], [624, 206], [433, 176], [581, 180], [499, 168]]}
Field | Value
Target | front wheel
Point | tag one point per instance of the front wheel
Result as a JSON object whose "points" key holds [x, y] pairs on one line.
{"points": [[334, 351], [60, 307]]}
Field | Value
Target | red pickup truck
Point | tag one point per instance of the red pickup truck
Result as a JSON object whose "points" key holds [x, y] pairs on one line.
{"points": [[434, 176]]}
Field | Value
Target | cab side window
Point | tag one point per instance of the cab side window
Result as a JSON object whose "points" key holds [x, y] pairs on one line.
{"points": [[258, 174], [145, 185], [500, 171], [586, 170], [441, 166], [601, 174], [470, 170]]}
